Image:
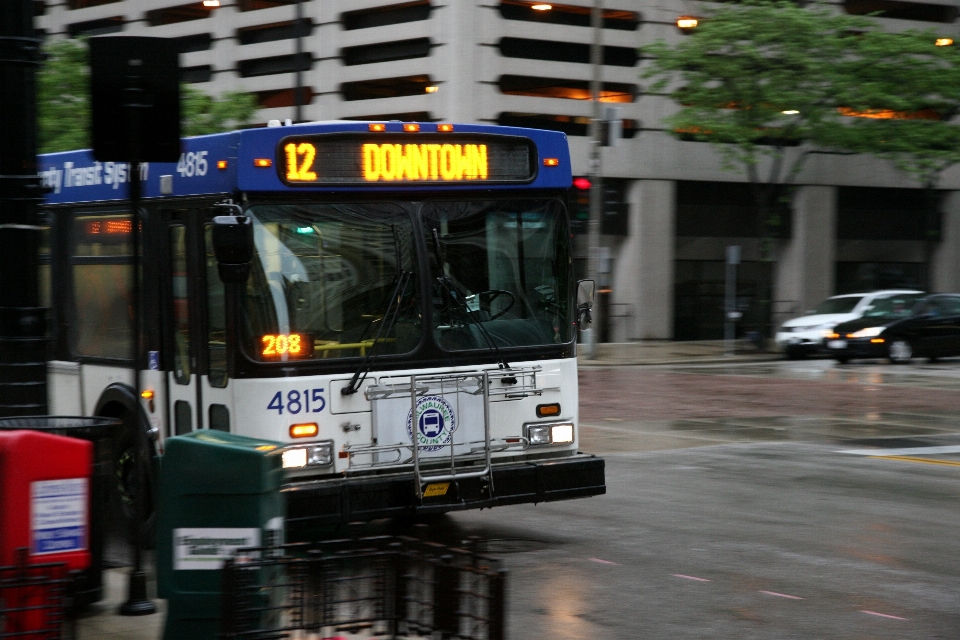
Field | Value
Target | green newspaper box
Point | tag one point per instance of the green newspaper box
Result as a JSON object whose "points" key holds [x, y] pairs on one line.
{"points": [[218, 492]]}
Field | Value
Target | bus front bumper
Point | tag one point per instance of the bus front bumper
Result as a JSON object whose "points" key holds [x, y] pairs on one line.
{"points": [[357, 498]]}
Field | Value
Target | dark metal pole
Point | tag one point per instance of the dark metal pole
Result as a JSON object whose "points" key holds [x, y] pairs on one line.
{"points": [[23, 343], [298, 92], [137, 603]]}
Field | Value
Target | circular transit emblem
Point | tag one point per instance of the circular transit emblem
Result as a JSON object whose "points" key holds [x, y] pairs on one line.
{"points": [[436, 423]]}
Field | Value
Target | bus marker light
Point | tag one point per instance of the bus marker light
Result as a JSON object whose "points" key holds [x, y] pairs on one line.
{"points": [[411, 127], [306, 430], [562, 433], [343, 454], [377, 126], [877, 340], [221, 164], [294, 458], [548, 410], [551, 162], [444, 128], [262, 162], [148, 395]]}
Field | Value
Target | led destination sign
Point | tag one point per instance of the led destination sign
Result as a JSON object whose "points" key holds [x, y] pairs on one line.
{"points": [[412, 158]]}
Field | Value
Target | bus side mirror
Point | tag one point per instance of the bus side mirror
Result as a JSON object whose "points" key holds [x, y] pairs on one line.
{"points": [[233, 246], [585, 292]]}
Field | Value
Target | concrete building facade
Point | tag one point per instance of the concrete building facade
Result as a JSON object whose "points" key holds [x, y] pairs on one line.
{"points": [[503, 61]]}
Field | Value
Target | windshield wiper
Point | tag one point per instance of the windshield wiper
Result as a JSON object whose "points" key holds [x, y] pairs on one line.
{"points": [[453, 294], [387, 320]]}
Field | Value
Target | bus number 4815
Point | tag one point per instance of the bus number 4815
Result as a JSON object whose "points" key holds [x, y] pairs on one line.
{"points": [[309, 401]]}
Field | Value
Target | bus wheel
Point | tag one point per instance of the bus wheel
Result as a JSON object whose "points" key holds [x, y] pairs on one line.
{"points": [[125, 489]]}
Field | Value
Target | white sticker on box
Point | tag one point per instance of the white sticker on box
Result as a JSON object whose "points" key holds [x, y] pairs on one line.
{"points": [[207, 549], [58, 516]]}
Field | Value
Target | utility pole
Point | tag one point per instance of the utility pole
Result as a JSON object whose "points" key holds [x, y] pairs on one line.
{"points": [[298, 92], [596, 172], [23, 341]]}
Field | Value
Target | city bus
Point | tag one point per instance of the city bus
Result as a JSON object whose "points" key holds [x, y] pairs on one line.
{"points": [[403, 325]]}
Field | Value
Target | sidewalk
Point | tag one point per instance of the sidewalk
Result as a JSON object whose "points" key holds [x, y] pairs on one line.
{"points": [[651, 352], [101, 620]]}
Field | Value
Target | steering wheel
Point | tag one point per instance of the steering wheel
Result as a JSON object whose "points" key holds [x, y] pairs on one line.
{"points": [[487, 298]]}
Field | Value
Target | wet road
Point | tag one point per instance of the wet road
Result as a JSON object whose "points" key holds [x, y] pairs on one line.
{"points": [[786, 500]]}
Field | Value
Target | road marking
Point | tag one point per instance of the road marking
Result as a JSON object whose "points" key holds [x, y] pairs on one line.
{"points": [[781, 595], [910, 451], [680, 575], [952, 463], [603, 561], [882, 615]]}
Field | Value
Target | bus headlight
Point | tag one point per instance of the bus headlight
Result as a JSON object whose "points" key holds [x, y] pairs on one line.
{"points": [[538, 434], [549, 433], [318, 454]]}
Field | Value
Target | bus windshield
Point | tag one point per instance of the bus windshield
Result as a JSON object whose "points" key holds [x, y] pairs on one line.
{"points": [[333, 280], [499, 273], [324, 277]]}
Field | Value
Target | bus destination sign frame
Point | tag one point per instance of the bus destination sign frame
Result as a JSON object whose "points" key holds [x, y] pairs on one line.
{"points": [[389, 159]]}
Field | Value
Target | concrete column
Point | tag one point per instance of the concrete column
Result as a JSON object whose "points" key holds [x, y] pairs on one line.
{"points": [[945, 263], [806, 270], [643, 270]]}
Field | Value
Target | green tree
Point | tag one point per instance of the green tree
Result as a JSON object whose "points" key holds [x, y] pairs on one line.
{"points": [[63, 98], [63, 102], [903, 95], [757, 81]]}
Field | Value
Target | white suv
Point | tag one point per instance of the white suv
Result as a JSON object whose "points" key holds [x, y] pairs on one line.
{"points": [[803, 336]]}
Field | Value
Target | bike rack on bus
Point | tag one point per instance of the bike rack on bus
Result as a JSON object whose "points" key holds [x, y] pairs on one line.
{"points": [[513, 383]]}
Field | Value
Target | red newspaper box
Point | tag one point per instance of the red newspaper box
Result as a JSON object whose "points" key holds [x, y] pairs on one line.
{"points": [[45, 498]]}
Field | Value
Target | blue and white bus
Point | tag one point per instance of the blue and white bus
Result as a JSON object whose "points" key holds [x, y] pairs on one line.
{"points": [[407, 329]]}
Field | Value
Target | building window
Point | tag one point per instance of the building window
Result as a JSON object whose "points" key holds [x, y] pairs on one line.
{"points": [[900, 10], [386, 15], [183, 13], [283, 98], [198, 42], [407, 116], [193, 75], [255, 5], [570, 125], [865, 213], [386, 51], [568, 14], [725, 210], [565, 52], [83, 4], [386, 88], [567, 89], [274, 32], [274, 64], [96, 27]]}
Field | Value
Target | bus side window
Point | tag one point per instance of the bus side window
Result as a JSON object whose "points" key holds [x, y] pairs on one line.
{"points": [[216, 318], [181, 304], [102, 300]]}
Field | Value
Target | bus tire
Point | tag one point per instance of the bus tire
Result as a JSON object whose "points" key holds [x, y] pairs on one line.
{"points": [[119, 401]]}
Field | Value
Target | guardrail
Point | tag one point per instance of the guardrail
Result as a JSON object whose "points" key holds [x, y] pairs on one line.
{"points": [[379, 586]]}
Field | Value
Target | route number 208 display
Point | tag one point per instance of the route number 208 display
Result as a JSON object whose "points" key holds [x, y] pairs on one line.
{"points": [[294, 402]]}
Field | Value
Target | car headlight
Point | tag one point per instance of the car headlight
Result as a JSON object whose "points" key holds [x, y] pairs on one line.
{"points": [[317, 454], [550, 433], [869, 332]]}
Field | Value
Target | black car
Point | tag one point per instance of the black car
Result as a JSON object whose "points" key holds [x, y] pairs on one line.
{"points": [[901, 328]]}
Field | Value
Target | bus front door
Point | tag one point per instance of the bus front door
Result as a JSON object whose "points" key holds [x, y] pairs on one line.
{"points": [[182, 379]]}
